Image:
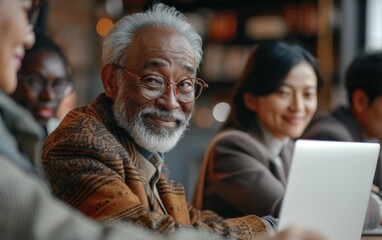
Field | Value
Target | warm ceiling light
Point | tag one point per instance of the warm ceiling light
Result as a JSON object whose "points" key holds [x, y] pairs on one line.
{"points": [[103, 26], [223, 26]]}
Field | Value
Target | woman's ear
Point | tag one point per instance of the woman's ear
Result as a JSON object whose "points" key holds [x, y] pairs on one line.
{"points": [[109, 81], [250, 101], [360, 101]]}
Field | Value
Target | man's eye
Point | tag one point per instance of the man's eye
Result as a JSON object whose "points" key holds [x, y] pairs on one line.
{"points": [[153, 81], [59, 82], [186, 86]]}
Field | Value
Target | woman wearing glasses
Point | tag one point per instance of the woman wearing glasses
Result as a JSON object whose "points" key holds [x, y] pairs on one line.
{"points": [[43, 81]]}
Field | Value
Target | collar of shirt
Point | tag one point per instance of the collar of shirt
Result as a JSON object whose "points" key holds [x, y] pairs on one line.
{"points": [[274, 145], [153, 166]]}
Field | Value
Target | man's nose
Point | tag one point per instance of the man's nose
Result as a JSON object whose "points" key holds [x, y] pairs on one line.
{"points": [[170, 99], [48, 93]]}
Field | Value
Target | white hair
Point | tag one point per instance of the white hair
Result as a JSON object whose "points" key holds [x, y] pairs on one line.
{"points": [[119, 39]]}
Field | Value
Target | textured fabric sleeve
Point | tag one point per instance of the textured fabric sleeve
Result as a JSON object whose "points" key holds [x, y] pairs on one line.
{"points": [[239, 175], [112, 200], [248, 227], [89, 175], [29, 211]]}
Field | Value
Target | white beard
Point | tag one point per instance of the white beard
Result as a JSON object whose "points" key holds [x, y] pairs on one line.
{"points": [[147, 135]]}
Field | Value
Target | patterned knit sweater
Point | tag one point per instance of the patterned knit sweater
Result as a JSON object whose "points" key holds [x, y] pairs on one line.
{"points": [[93, 165]]}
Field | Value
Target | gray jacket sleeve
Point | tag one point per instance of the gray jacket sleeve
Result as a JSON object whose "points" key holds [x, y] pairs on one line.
{"points": [[29, 211]]}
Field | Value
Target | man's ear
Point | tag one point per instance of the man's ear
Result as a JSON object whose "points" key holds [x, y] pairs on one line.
{"points": [[250, 101], [109, 81], [360, 101]]}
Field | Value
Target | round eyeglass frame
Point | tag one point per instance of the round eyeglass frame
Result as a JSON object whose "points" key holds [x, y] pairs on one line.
{"points": [[199, 82], [34, 12], [26, 79]]}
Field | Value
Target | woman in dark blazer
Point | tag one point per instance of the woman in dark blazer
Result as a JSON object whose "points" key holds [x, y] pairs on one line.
{"points": [[246, 166]]}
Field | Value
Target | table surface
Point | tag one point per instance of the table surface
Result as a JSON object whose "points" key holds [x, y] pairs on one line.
{"points": [[372, 234]]}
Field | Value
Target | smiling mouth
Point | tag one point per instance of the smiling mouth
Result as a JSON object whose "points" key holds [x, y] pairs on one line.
{"points": [[17, 62], [45, 112], [294, 120], [164, 122]]}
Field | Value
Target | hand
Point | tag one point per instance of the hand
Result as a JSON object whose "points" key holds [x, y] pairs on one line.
{"points": [[295, 233]]}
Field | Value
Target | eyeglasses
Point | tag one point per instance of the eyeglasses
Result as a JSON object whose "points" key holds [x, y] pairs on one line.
{"points": [[60, 86], [153, 86], [33, 12]]}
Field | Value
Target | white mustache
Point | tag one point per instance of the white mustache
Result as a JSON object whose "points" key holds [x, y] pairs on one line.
{"points": [[177, 116]]}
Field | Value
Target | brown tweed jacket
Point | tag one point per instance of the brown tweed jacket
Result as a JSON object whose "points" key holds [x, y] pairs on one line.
{"points": [[93, 165]]}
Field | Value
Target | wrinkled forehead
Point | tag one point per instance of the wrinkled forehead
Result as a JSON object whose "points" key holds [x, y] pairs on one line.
{"points": [[162, 42]]}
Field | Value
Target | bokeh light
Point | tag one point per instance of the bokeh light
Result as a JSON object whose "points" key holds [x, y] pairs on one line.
{"points": [[203, 117], [103, 26], [221, 111], [114, 8], [223, 26]]}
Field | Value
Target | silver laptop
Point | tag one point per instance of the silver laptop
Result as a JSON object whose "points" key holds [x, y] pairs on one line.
{"points": [[329, 186]]}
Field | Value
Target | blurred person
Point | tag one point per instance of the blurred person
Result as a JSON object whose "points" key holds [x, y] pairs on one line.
{"points": [[361, 120], [246, 166], [27, 210], [43, 81], [19, 135]]}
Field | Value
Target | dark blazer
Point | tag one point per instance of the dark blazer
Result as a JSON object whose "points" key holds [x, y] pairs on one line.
{"points": [[238, 176]]}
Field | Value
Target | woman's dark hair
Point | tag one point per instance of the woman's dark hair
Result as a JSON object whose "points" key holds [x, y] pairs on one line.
{"points": [[266, 69]]}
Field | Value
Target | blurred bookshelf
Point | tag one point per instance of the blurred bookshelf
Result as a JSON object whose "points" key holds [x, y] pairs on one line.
{"points": [[231, 29]]}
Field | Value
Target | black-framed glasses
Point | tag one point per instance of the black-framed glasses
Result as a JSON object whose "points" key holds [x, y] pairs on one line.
{"points": [[153, 86], [61, 86]]}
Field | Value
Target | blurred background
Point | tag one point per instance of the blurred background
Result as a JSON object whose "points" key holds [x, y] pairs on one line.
{"points": [[332, 30]]}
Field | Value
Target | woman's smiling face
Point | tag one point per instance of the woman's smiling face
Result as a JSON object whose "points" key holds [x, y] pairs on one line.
{"points": [[287, 111], [16, 35]]}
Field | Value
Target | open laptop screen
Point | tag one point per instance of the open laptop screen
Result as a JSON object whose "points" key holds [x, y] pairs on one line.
{"points": [[329, 186]]}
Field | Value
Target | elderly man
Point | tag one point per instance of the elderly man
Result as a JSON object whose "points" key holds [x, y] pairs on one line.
{"points": [[106, 159]]}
